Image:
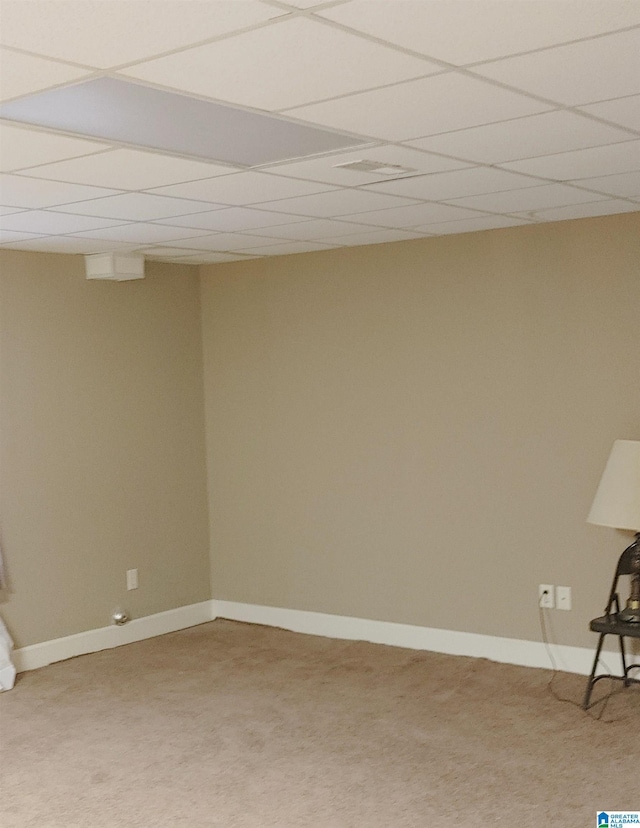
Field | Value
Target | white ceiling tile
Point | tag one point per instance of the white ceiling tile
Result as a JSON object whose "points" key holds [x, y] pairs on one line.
{"points": [[591, 209], [586, 163], [20, 147], [414, 215], [104, 34], [626, 185], [244, 188], [9, 236], [325, 168], [220, 242], [138, 207], [167, 251], [471, 225], [379, 236], [523, 138], [467, 31], [315, 229], [141, 233], [446, 185], [69, 244], [623, 111], [304, 4], [8, 211], [421, 107], [287, 57], [216, 258], [21, 74], [233, 220], [128, 169], [47, 223], [21, 191], [288, 248], [533, 198], [337, 203], [579, 73]]}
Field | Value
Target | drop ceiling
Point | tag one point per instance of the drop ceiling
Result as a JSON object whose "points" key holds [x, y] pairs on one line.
{"points": [[310, 125]]}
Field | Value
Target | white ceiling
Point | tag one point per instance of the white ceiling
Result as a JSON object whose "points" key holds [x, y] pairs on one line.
{"points": [[508, 112]]}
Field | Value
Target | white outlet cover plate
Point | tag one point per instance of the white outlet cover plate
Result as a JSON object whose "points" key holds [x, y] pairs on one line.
{"points": [[546, 601]]}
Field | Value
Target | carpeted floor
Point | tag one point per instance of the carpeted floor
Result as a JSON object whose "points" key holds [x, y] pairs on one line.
{"points": [[241, 726]]}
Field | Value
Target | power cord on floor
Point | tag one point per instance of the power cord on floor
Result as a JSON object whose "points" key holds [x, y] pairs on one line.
{"points": [[604, 701]]}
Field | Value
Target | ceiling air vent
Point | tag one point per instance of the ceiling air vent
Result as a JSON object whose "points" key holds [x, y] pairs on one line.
{"points": [[378, 168]]}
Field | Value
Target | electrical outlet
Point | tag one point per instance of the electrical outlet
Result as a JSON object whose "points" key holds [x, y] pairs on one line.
{"points": [[545, 596], [132, 579], [563, 598]]}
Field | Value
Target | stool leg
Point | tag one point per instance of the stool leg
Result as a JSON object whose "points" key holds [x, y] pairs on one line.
{"points": [[591, 681], [627, 683]]}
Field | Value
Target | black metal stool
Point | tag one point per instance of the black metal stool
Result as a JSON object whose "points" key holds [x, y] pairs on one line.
{"points": [[608, 624]]}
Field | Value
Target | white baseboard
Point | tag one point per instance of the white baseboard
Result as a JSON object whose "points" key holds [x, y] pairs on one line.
{"points": [[506, 650], [39, 655]]}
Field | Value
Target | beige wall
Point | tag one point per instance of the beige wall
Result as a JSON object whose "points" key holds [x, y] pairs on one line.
{"points": [[102, 464], [409, 432], [414, 432]]}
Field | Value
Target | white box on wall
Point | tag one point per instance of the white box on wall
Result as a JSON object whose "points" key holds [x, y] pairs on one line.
{"points": [[118, 267]]}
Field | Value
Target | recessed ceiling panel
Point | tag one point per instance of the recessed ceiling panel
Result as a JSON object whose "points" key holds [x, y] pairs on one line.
{"points": [[141, 233], [128, 169], [579, 73], [221, 242], [130, 113], [21, 147], [592, 208], [211, 258], [417, 108], [375, 236], [623, 111], [626, 185], [314, 229], [21, 74], [69, 244], [13, 236], [413, 215], [446, 185], [137, 207], [290, 63], [47, 223], [585, 163], [336, 203], [288, 248], [233, 220], [471, 225], [528, 137], [19, 191], [244, 188], [468, 31], [533, 198], [105, 34]]}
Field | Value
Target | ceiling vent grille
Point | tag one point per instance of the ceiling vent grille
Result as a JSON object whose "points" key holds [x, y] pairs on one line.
{"points": [[378, 168]]}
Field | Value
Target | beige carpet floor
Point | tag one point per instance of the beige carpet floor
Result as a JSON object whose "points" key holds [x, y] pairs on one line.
{"points": [[242, 726]]}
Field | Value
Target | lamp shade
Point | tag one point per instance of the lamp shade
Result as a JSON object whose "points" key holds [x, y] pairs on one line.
{"points": [[617, 501]]}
